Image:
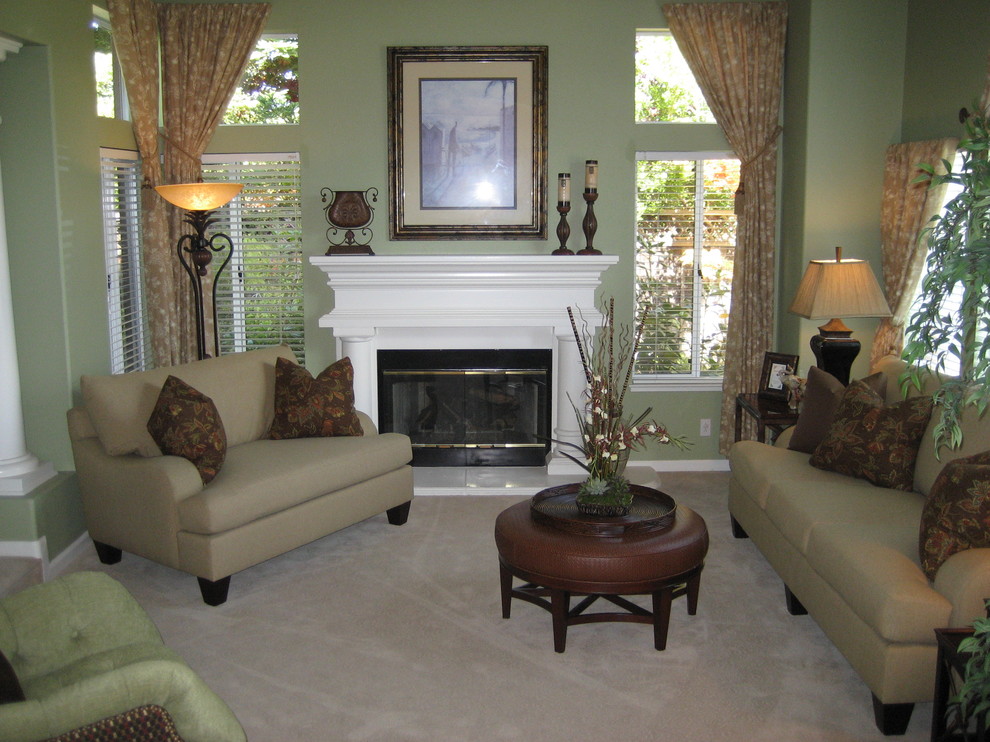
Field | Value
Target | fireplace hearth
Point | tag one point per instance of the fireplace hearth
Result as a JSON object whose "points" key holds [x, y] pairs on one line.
{"points": [[468, 407]]}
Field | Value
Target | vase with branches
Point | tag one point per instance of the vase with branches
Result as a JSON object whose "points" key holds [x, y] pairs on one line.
{"points": [[608, 435], [941, 334]]}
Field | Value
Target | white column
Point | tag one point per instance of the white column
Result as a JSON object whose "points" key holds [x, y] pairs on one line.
{"points": [[20, 470], [361, 350], [571, 386]]}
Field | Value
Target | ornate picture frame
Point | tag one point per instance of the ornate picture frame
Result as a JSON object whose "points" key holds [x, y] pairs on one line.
{"points": [[771, 385], [467, 142]]}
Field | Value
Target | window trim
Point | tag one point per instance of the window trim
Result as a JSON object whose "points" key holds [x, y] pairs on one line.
{"points": [[676, 382]]}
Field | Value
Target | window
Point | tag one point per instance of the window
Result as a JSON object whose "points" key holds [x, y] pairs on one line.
{"points": [[120, 176], [685, 245], [269, 91], [111, 99], [260, 295], [666, 91]]}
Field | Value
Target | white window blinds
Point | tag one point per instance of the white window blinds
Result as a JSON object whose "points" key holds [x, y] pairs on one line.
{"points": [[120, 177], [260, 295]]}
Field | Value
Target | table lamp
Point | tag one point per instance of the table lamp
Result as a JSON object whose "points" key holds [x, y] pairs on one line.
{"points": [[199, 200], [833, 289]]}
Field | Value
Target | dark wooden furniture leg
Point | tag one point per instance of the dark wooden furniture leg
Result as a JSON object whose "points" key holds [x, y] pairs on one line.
{"points": [[693, 589], [108, 554], [661, 617], [214, 593], [560, 605], [505, 578], [794, 606], [892, 718], [398, 515], [737, 530]]}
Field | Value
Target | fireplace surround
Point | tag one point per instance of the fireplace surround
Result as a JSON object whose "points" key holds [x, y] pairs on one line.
{"points": [[465, 302]]}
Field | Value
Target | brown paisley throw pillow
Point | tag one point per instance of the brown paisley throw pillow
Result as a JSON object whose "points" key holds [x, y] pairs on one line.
{"points": [[309, 408], [874, 442], [821, 400], [956, 515], [185, 423]]}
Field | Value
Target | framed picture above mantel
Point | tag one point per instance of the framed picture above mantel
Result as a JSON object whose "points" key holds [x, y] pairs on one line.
{"points": [[467, 142]]}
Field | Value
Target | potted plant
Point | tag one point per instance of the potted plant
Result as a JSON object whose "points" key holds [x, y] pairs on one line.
{"points": [[968, 712], [958, 260], [608, 437]]}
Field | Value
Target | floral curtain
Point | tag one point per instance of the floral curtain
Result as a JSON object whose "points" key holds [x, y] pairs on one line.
{"points": [[204, 51], [736, 52], [907, 206], [135, 37]]}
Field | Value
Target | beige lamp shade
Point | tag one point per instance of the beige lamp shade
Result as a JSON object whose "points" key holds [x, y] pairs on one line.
{"points": [[839, 288], [199, 196]]}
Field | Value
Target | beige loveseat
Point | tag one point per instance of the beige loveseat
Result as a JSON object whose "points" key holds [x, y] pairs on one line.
{"points": [[848, 554], [269, 496]]}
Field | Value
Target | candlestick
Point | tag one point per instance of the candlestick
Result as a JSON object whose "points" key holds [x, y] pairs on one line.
{"points": [[564, 188], [563, 230], [591, 176], [590, 224]]}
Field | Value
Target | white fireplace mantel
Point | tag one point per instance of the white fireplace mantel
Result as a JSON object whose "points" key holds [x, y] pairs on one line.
{"points": [[393, 302]]}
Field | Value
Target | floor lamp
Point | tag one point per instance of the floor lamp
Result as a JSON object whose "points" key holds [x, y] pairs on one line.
{"points": [[833, 289], [196, 250]]}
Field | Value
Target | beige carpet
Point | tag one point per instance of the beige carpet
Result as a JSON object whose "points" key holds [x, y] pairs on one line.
{"points": [[385, 633]]}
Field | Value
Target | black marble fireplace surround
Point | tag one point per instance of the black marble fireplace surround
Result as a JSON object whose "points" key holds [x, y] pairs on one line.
{"points": [[468, 407]]}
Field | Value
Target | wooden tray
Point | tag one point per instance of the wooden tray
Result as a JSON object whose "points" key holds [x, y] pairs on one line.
{"points": [[651, 510]]}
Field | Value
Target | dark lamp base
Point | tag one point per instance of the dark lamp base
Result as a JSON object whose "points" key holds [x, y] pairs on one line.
{"points": [[835, 355]]}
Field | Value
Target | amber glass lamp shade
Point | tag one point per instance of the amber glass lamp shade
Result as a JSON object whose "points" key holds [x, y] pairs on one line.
{"points": [[199, 196]]}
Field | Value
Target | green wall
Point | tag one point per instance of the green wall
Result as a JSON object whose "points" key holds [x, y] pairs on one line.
{"points": [[857, 74]]}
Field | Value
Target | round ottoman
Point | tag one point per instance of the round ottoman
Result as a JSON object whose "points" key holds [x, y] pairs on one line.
{"points": [[557, 563]]}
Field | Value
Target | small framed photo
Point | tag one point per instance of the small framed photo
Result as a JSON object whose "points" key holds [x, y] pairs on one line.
{"points": [[775, 365]]}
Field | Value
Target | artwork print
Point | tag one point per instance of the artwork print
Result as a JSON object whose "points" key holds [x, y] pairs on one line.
{"points": [[467, 143]]}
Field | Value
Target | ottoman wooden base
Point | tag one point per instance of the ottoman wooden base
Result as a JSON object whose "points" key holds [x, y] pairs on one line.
{"points": [[556, 565]]}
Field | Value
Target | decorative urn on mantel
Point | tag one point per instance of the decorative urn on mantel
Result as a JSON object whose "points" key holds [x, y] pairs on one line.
{"points": [[396, 302]]}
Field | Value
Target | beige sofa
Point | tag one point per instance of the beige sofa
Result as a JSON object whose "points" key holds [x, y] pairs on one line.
{"points": [[270, 496], [848, 554]]}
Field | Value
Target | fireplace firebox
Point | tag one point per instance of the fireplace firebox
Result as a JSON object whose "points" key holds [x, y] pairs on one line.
{"points": [[468, 407]]}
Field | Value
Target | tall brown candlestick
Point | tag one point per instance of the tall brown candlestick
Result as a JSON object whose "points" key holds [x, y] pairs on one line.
{"points": [[590, 224], [563, 229]]}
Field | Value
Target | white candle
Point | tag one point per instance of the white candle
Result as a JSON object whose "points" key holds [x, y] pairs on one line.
{"points": [[591, 175], [563, 188]]}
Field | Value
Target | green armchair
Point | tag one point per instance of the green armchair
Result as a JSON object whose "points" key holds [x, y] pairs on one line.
{"points": [[85, 654]]}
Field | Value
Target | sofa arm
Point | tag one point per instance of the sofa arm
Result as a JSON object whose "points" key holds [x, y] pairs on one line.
{"points": [[198, 713], [130, 502], [964, 579], [367, 425]]}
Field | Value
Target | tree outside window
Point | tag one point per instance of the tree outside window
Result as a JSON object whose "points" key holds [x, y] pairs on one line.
{"points": [[269, 90], [666, 91]]}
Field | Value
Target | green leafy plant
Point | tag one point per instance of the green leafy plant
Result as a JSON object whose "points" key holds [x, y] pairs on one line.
{"points": [[969, 709], [958, 262]]}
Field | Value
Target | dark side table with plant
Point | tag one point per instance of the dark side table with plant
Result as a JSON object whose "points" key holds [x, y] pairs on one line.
{"points": [[963, 714]]}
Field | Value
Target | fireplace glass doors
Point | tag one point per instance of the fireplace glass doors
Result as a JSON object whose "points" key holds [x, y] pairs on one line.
{"points": [[468, 407]]}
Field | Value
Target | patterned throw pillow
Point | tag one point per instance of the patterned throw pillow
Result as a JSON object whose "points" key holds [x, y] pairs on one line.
{"points": [[957, 512], [310, 408], [821, 400], [185, 423], [873, 442]]}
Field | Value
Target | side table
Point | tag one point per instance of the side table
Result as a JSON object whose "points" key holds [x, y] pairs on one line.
{"points": [[768, 413], [949, 660]]}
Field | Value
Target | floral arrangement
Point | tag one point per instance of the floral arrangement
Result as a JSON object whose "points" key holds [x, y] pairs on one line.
{"points": [[608, 436]]}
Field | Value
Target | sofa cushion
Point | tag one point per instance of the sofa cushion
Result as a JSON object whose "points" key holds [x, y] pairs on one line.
{"points": [[757, 466], [185, 423], [822, 397], [10, 687], [957, 512], [873, 565], [306, 407], [872, 441], [797, 507], [265, 477], [120, 405]]}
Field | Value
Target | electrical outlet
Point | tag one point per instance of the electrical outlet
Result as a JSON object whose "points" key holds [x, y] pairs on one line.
{"points": [[706, 427]]}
